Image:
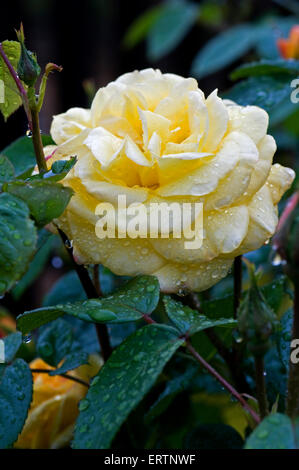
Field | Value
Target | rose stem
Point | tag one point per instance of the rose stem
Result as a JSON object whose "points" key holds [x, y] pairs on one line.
{"points": [[19, 84], [237, 351], [293, 382], [214, 373], [261, 386], [227, 355], [37, 140], [66, 376], [96, 280], [102, 331], [237, 283], [91, 293], [32, 108], [222, 381]]}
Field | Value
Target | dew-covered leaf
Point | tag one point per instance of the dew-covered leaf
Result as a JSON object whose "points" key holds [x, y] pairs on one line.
{"points": [[17, 241], [21, 154], [58, 171], [12, 344], [15, 399], [7, 171], [139, 296], [44, 248], [55, 341], [46, 200], [12, 99], [188, 320], [266, 67], [122, 383], [277, 431], [266, 91], [71, 361]]}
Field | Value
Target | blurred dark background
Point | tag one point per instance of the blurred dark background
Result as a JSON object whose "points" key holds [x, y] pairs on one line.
{"points": [[86, 38]]}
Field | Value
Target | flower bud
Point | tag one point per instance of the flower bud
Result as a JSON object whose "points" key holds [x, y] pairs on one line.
{"points": [[28, 68], [256, 319]]}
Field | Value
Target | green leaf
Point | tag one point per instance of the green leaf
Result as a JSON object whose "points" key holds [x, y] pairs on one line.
{"points": [[191, 321], [21, 154], [268, 92], [58, 171], [87, 311], [173, 23], [140, 27], [172, 389], [15, 399], [7, 171], [55, 342], [12, 99], [44, 248], [17, 242], [46, 200], [71, 361], [277, 431], [219, 307], [67, 289], [12, 344], [223, 49], [121, 384], [139, 296], [110, 282], [266, 67]]}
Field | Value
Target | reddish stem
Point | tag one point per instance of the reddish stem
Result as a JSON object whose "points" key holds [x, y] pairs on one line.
{"points": [[19, 84], [290, 206], [223, 382]]}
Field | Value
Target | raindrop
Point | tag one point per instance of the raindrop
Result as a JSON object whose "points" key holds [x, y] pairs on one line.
{"points": [[150, 288], [277, 260], [84, 404], [69, 244], [182, 292], [27, 338], [21, 396], [29, 133], [263, 434]]}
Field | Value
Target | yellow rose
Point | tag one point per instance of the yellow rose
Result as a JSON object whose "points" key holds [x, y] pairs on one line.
{"points": [[154, 137], [54, 408]]}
